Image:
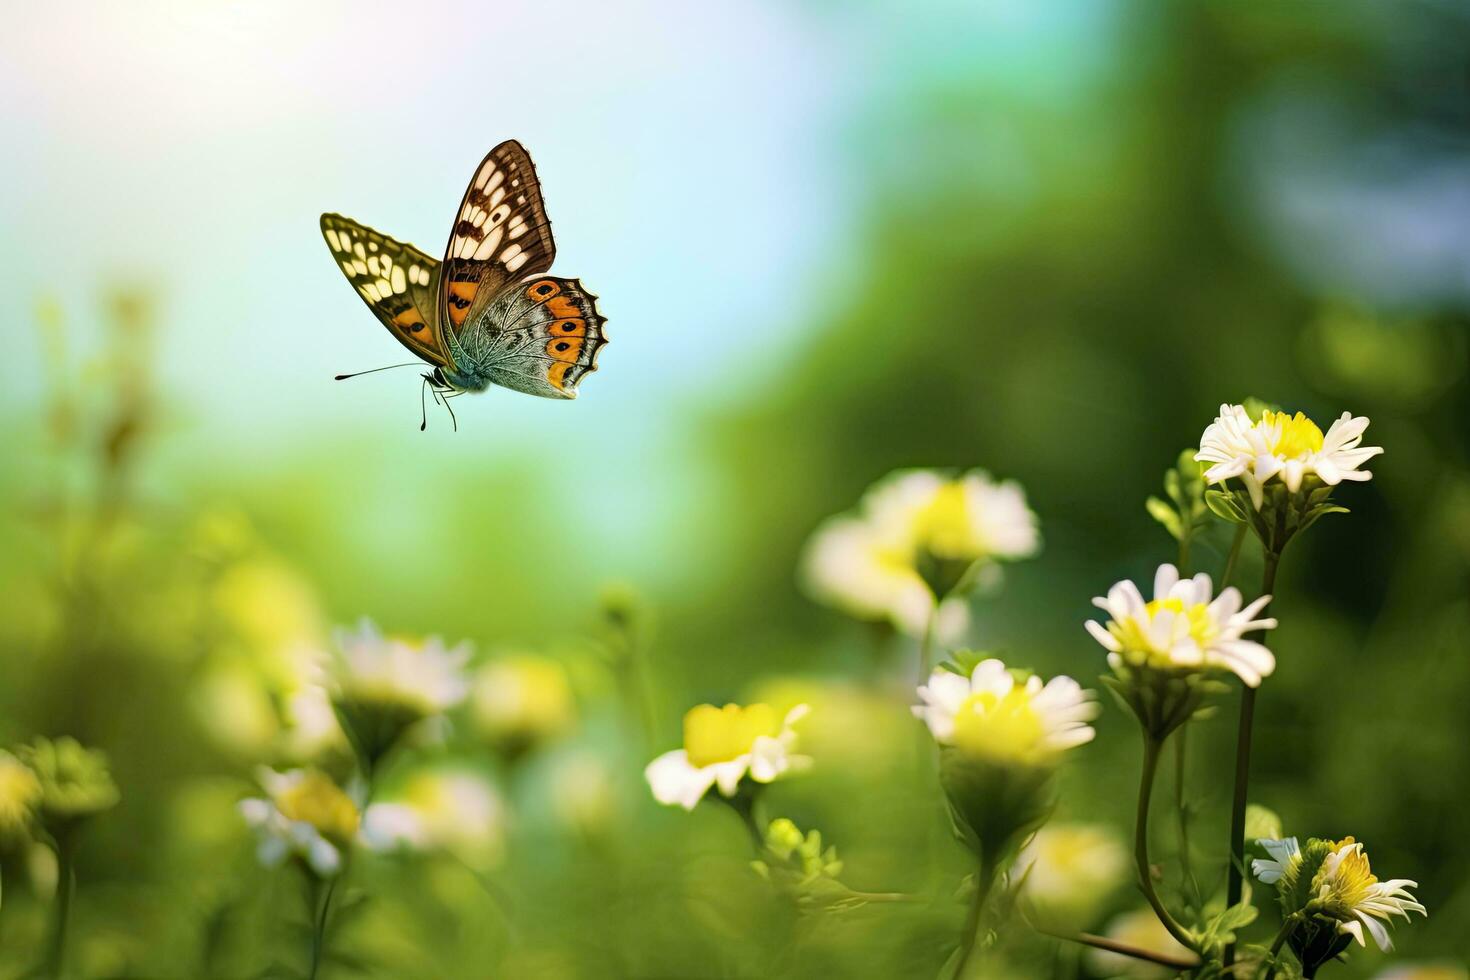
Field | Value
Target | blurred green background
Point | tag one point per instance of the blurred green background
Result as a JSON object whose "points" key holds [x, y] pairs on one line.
{"points": [[831, 240]]}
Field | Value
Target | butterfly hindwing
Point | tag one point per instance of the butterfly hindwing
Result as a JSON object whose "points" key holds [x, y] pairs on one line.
{"points": [[539, 336], [501, 234], [397, 281]]}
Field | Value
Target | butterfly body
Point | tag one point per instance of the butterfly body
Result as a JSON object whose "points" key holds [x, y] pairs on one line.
{"points": [[488, 314]]}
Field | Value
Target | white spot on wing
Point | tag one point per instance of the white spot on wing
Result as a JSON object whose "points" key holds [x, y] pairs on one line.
{"points": [[332, 240], [399, 284], [372, 264], [510, 253], [488, 246], [497, 197], [360, 266], [518, 261]]}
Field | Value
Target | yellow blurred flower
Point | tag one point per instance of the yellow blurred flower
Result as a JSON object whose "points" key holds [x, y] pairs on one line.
{"points": [[1443, 970], [722, 746], [305, 814], [521, 700], [20, 793], [913, 538], [1141, 929], [1070, 871]]}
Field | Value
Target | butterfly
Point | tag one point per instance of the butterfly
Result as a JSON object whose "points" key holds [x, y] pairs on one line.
{"points": [[489, 313]]}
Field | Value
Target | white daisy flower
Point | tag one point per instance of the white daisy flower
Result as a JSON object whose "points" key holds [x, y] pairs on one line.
{"points": [[992, 714], [1342, 886], [1182, 628], [1289, 446], [454, 810], [722, 746], [873, 563], [304, 815], [425, 677]]}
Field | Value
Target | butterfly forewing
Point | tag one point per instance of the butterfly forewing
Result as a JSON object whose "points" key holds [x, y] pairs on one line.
{"points": [[397, 281], [501, 234]]}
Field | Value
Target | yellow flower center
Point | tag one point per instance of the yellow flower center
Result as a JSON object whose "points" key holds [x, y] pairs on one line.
{"points": [[720, 734], [1133, 634], [1299, 434], [20, 791], [944, 526], [1005, 727], [1353, 878], [314, 799]]}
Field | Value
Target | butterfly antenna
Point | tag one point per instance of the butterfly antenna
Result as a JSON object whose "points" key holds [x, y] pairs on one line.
{"points": [[423, 409], [355, 374]]}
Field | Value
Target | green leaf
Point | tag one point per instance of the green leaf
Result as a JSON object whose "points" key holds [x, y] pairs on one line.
{"points": [[1224, 506], [1220, 928], [1261, 822]]}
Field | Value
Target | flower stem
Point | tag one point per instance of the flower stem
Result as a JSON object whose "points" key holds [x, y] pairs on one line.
{"points": [[1183, 811], [974, 919], [1236, 871], [319, 926], [1122, 948], [66, 884], [1269, 965], [1151, 747], [1233, 556]]}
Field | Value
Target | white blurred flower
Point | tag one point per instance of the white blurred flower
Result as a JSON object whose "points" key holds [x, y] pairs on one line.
{"points": [[1070, 871], [381, 686], [722, 746], [1182, 628], [304, 815], [1291, 447], [455, 810], [1141, 929], [1342, 886], [992, 714], [911, 538], [424, 676]]}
